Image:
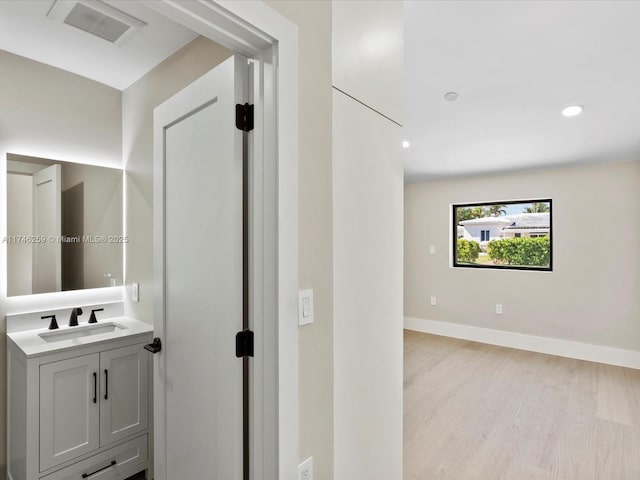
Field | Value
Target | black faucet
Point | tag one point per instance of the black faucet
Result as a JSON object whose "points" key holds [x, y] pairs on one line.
{"points": [[53, 324], [73, 319], [92, 318]]}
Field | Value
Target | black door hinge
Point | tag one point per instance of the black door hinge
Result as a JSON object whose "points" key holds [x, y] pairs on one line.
{"points": [[244, 117], [244, 344]]}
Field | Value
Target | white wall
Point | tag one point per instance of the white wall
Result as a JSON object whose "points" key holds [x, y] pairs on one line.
{"points": [[368, 53], [473, 232], [367, 239], [138, 102], [367, 191], [592, 294]]}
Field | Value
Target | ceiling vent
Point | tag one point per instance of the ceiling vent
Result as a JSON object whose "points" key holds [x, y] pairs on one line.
{"points": [[97, 18]]}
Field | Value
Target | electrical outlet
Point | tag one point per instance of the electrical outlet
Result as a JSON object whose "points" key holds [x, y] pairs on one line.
{"points": [[433, 300], [499, 308], [432, 250], [305, 469], [136, 292]]}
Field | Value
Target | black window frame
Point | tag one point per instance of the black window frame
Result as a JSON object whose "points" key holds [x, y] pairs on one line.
{"points": [[454, 244]]}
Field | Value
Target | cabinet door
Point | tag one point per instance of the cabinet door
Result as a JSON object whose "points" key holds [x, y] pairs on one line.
{"points": [[124, 393], [69, 409]]}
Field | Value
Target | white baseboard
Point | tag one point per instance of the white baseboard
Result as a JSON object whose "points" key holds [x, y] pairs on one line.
{"points": [[532, 343]]}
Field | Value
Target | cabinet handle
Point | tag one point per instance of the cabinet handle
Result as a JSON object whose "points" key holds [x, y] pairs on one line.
{"points": [[87, 475], [106, 384], [95, 387]]}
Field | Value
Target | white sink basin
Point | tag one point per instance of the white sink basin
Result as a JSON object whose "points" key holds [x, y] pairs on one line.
{"points": [[79, 332]]}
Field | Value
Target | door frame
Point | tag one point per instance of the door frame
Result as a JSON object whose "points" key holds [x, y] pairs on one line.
{"points": [[255, 30]]}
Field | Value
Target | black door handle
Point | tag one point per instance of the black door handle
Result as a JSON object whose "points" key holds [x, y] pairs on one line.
{"points": [[106, 384], [95, 387], [155, 346]]}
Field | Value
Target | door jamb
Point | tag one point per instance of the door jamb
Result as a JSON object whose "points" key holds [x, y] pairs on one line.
{"points": [[255, 30]]}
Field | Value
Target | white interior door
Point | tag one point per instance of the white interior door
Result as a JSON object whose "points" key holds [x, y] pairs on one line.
{"points": [[198, 395], [47, 224]]}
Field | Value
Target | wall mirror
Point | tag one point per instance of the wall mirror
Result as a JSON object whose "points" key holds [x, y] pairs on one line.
{"points": [[64, 226]]}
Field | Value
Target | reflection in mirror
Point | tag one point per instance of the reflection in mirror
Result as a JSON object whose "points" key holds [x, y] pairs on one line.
{"points": [[64, 226]]}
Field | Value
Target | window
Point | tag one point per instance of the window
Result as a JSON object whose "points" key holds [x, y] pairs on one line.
{"points": [[513, 234]]}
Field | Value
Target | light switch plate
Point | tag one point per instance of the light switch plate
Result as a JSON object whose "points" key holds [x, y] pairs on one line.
{"points": [[136, 292], [432, 250], [305, 307]]}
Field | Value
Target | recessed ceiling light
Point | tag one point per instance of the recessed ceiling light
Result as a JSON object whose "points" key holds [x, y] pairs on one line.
{"points": [[572, 111], [451, 96], [405, 144]]}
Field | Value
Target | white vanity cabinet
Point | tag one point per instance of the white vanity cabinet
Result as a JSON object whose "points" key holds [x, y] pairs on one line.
{"points": [[79, 413]]}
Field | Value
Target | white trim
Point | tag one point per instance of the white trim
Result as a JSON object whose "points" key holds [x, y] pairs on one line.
{"points": [[532, 343]]}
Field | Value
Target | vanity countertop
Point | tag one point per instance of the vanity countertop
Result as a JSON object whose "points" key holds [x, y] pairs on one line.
{"points": [[43, 341]]}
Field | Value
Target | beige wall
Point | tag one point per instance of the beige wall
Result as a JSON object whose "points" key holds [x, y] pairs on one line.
{"points": [[315, 228], [592, 294], [138, 102], [48, 112]]}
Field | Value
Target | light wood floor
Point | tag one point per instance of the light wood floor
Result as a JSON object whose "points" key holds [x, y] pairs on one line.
{"points": [[480, 412]]}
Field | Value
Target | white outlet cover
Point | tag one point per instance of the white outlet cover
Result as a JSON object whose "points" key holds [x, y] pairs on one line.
{"points": [[433, 300], [499, 308], [305, 469], [432, 250], [305, 307]]}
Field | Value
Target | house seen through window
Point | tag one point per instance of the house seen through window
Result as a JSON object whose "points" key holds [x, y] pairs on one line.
{"points": [[510, 234]]}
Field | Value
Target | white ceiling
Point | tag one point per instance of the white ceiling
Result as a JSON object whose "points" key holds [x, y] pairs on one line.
{"points": [[515, 66], [25, 30]]}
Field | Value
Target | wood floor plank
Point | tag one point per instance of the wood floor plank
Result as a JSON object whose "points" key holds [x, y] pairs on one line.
{"points": [[613, 403], [481, 412]]}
